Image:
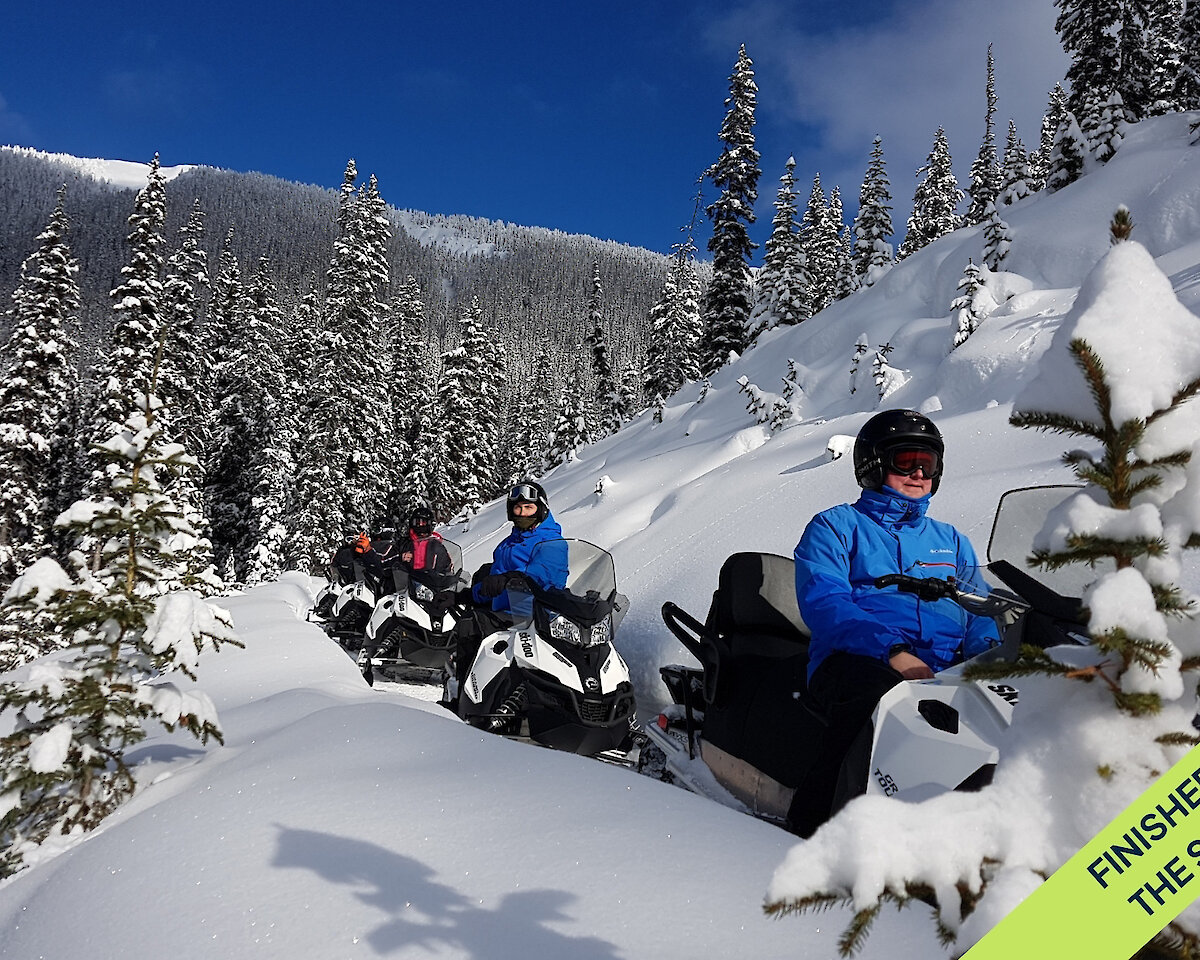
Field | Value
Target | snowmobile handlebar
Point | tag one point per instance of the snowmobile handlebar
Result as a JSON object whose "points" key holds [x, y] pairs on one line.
{"points": [[993, 604]]}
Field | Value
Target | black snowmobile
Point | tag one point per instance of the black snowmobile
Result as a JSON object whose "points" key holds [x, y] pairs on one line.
{"points": [[743, 729], [344, 606]]}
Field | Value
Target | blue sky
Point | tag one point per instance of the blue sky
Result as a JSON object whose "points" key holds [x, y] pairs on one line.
{"points": [[588, 118]]}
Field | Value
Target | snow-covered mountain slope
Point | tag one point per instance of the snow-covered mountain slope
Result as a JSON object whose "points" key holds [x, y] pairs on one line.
{"points": [[120, 173]]}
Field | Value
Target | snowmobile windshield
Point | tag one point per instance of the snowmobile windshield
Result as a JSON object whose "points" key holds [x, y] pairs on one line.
{"points": [[572, 577], [442, 567], [1027, 515]]}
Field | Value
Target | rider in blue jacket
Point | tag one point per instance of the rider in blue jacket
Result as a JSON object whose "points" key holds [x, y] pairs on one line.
{"points": [[866, 640], [533, 523], [529, 510]]}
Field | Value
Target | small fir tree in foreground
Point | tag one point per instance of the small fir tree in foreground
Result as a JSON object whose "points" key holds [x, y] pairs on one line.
{"points": [[63, 767]]}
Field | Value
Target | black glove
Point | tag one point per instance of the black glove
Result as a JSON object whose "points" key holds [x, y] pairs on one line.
{"points": [[493, 585]]}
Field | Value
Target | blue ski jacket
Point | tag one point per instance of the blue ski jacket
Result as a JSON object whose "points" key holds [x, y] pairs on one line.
{"points": [[845, 548], [513, 553]]}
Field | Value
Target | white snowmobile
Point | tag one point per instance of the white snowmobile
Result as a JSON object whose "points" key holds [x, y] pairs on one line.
{"points": [[743, 730], [410, 636], [554, 677]]}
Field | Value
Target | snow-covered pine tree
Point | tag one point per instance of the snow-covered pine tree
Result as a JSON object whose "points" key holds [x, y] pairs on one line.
{"points": [[672, 350], [985, 169], [358, 282], [936, 200], [631, 399], [570, 427], [1137, 53], [40, 380], [972, 304], [63, 766], [187, 399], [1016, 173], [997, 238], [786, 407], [872, 254], [468, 416], [757, 403], [845, 280], [1104, 128], [1186, 95], [603, 417], [317, 521], [180, 389], [781, 298], [1087, 31], [1068, 157], [1162, 45], [421, 480], [888, 379], [270, 433], [727, 304], [659, 406], [409, 387], [1039, 159], [821, 247], [128, 365]]}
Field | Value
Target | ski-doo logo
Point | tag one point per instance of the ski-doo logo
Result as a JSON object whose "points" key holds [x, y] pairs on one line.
{"points": [[592, 684], [1005, 692], [526, 645], [886, 783]]}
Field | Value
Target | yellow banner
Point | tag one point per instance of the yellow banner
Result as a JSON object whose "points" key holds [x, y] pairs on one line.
{"points": [[1111, 898]]}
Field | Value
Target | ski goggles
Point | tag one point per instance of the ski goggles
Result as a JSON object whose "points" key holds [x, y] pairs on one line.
{"points": [[524, 491], [905, 461]]}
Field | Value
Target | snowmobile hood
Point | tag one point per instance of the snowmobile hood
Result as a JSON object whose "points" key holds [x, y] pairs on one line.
{"points": [[891, 508]]}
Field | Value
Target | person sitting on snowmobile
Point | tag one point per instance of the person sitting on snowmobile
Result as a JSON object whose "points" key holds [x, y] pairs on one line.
{"points": [[529, 510], [423, 549], [866, 640]]}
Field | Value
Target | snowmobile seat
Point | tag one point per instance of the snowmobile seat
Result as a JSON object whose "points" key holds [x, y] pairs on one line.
{"points": [[754, 651]]}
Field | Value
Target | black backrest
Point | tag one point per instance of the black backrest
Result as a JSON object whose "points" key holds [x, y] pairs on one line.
{"points": [[756, 599]]}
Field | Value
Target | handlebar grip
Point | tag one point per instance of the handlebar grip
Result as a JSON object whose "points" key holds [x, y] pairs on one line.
{"points": [[926, 588]]}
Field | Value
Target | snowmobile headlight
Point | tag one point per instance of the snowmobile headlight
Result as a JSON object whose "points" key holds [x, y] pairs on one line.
{"points": [[601, 633], [563, 629], [422, 592]]}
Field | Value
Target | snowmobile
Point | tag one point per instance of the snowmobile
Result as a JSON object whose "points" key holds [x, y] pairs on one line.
{"points": [[743, 730], [553, 676], [409, 636], [344, 606]]}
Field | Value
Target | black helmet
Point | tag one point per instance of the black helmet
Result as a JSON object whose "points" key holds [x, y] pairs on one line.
{"points": [[528, 492], [886, 431], [420, 521]]}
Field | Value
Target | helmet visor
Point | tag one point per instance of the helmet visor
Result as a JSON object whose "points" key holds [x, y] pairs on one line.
{"points": [[905, 461]]}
